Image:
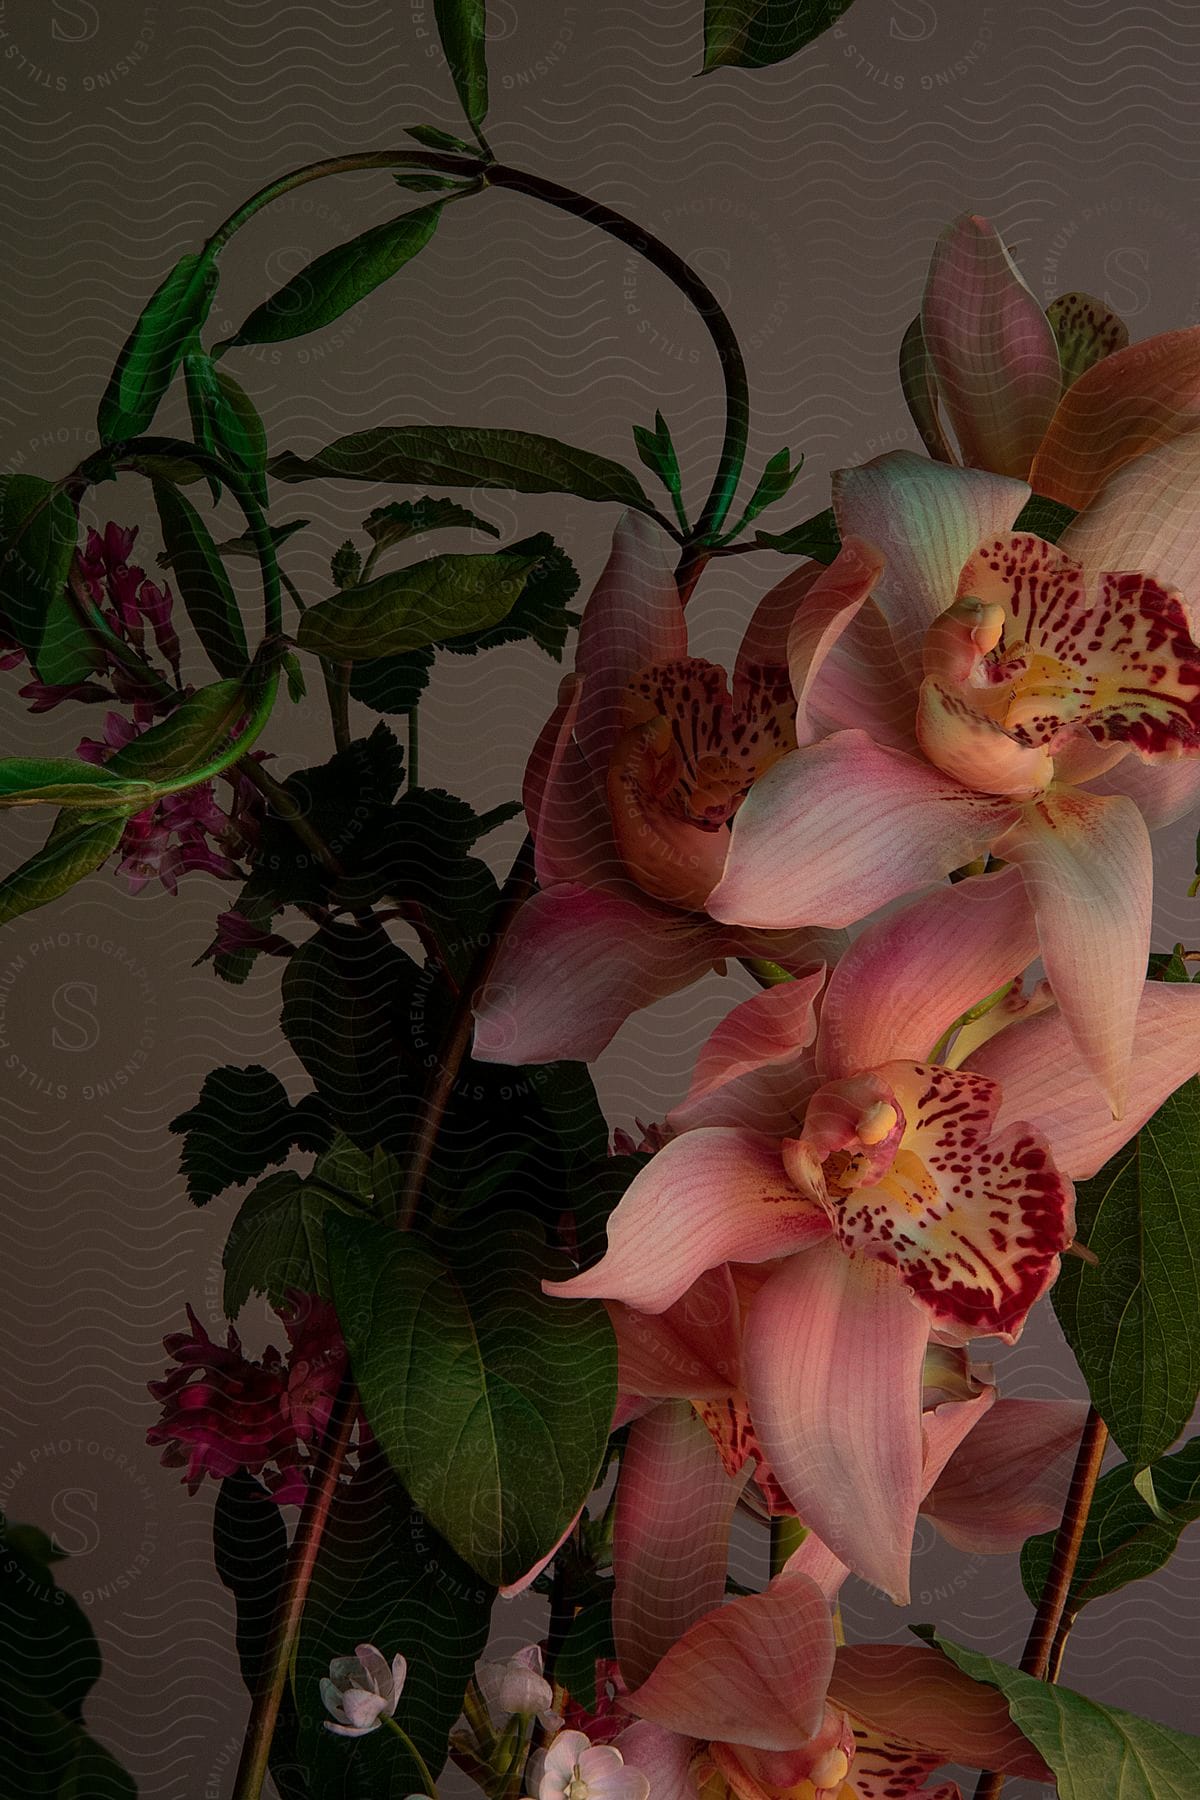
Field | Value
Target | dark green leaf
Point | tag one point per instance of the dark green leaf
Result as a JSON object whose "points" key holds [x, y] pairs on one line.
{"points": [[753, 34], [774, 482], [429, 184], [345, 565], [277, 1241], [471, 1378], [258, 904], [79, 842], [401, 519], [1131, 1320], [1044, 518], [241, 1124], [434, 138], [462, 28], [588, 1638], [294, 676], [346, 800], [244, 544], [339, 279], [1123, 1541], [467, 456], [385, 1577], [225, 420], [151, 353], [392, 684], [540, 613], [204, 586], [250, 1553], [408, 609], [657, 451], [188, 738], [49, 1649], [342, 991], [38, 529], [421, 853], [24, 781], [817, 537], [1093, 1750]]}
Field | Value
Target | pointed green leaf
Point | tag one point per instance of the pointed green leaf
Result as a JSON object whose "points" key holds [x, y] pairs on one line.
{"points": [[444, 597], [434, 138], [74, 849], [1123, 1540], [1045, 518], [225, 420], [1093, 1750], [753, 34], [400, 519], [151, 353], [188, 738], [250, 1555], [467, 456], [277, 1242], [462, 27], [816, 537], [657, 451], [339, 279], [204, 586], [38, 531], [1131, 1319], [773, 484], [471, 1378], [67, 782]]}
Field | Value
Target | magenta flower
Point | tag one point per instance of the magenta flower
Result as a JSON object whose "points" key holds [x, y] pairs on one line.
{"points": [[241, 1414]]}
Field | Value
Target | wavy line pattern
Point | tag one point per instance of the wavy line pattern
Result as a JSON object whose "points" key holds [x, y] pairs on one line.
{"points": [[808, 196]]}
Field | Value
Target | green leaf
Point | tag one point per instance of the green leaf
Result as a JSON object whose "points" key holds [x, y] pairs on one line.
{"points": [[1131, 1320], [467, 456], [817, 537], [38, 530], [384, 1576], [1044, 518], [226, 421], [188, 738], [244, 545], [392, 684], [420, 852], [242, 1122], [434, 138], [774, 482], [339, 279], [401, 519], [589, 1637], [1123, 1540], [250, 1554], [473, 1380], [753, 34], [78, 843], [204, 586], [24, 781], [426, 603], [657, 451], [151, 354], [346, 800], [342, 990], [430, 184], [462, 27], [345, 566], [277, 1242], [258, 903], [1093, 1750], [540, 612]]}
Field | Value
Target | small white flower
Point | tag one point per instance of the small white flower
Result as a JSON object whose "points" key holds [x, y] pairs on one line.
{"points": [[517, 1686], [361, 1689], [571, 1768]]}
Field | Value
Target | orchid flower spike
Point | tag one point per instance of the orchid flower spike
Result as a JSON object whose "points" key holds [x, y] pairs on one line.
{"points": [[361, 1690]]}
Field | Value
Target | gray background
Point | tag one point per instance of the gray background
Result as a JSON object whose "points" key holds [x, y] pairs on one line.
{"points": [[808, 196]]}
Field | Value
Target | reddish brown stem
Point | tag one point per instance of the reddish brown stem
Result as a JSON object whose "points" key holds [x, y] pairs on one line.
{"points": [[1042, 1657]]}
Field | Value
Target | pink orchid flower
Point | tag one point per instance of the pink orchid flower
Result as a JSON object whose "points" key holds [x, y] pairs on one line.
{"points": [[896, 1197], [1059, 397], [629, 793], [993, 1471], [573, 1768], [755, 1696], [997, 695]]}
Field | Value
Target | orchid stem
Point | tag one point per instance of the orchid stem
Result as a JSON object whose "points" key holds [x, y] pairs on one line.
{"points": [[1042, 1657], [289, 1609], [422, 1766]]}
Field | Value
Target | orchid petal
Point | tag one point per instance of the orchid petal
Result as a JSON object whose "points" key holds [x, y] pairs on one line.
{"points": [[771, 1028], [1129, 404], [839, 828], [1162, 792], [857, 685], [992, 348], [816, 1560], [926, 518], [1009, 1478], [577, 962], [1146, 517], [945, 1429], [1042, 1079], [1088, 871], [670, 1536], [764, 647], [633, 618], [905, 981], [972, 1223], [691, 1351], [664, 1757], [1086, 331], [833, 1359], [753, 1672], [916, 1696], [565, 803], [708, 1197], [830, 606], [918, 382]]}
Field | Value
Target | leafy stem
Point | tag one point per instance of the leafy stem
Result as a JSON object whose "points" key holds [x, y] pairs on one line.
{"points": [[1047, 1638]]}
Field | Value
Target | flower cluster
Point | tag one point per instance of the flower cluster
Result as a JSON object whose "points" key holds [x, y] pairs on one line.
{"points": [[223, 1411]]}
